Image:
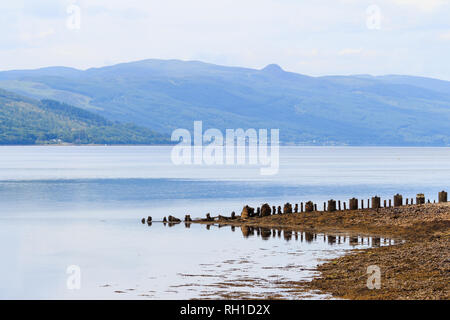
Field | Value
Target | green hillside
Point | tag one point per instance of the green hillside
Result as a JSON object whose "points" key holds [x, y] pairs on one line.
{"points": [[26, 121], [163, 95]]}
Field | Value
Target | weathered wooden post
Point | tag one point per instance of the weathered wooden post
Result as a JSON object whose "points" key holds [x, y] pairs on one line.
{"points": [[274, 210], [279, 210], [309, 206], [187, 218], [390, 203], [296, 208], [385, 203], [420, 198], [442, 196], [353, 204], [265, 210], [315, 207], [407, 201], [398, 200], [301, 207], [287, 208], [368, 203], [324, 206], [345, 206], [233, 215], [376, 202], [331, 205], [258, 211], [362, 204], [412, 201], [143, 220]]}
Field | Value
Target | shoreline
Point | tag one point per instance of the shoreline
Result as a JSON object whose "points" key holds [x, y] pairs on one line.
{"points": [[419, 268]]}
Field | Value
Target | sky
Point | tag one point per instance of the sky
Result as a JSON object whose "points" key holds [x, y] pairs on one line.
{"points": [[316, 37]]}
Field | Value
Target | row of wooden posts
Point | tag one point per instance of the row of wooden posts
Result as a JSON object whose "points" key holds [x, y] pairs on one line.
{"points": [[333, 205]]}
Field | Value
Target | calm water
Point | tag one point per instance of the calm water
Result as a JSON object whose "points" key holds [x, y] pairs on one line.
{"points": [[62, 206]]}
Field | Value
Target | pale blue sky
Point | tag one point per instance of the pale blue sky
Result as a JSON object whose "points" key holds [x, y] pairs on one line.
{"points": [[314, 37]]}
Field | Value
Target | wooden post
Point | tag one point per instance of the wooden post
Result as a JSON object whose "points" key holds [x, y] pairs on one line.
{"points": [[296, 208], [398, 200], [362, 204], [407, 201], [324, 206], [339, 205], [442, 196], [376, 202], [331, 205], [368, 203], [345, 206], [315, 207], [309, 206], [420, 198], [390, 203], [353, 204], [385, 203]]}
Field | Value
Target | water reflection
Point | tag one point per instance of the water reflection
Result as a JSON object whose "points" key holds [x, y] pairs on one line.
{"points": [[266, 233]]}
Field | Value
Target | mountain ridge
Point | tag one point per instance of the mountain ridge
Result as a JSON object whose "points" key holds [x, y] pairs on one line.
{"points": [[328, 110]]}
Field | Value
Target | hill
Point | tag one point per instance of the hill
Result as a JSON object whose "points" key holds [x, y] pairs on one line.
{"points": [[26, 121], [332, 110]]}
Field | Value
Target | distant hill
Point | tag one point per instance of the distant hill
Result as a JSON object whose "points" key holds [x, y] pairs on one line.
{"points": [[335, 110], [25, 121]]}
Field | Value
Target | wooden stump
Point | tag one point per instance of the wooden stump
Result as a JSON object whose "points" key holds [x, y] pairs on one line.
{"points": [[331, 205], [309, 206], [442, 196], [376, 202], [353, 204], [398, 200]]}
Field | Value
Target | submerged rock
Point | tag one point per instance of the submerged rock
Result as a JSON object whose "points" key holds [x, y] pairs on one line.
{"points": [[173, 219]]}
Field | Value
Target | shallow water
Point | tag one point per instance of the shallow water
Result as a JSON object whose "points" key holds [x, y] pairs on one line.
{"points": [[62, 206]]}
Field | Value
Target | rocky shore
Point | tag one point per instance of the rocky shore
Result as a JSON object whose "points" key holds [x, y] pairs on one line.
{"points": [[418, 268]]}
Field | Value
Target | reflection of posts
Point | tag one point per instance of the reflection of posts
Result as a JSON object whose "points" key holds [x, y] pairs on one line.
{"points": [[265, 233], [287, 235], [353, 241]]}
